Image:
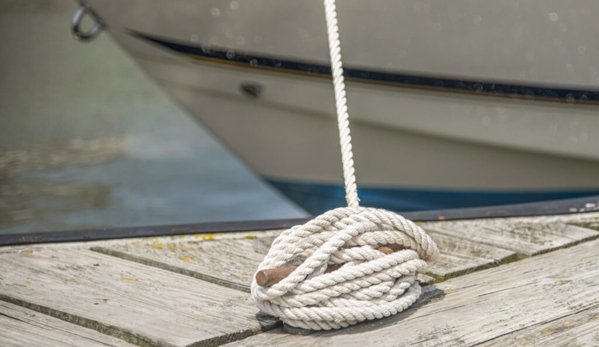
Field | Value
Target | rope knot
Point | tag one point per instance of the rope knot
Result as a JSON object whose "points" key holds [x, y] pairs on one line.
{"points": [[345, 266]]}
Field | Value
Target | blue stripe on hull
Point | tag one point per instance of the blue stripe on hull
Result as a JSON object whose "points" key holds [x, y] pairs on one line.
{"points": [[318, 198]]}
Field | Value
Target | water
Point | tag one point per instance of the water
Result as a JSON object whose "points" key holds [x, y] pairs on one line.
{"points": [[87, 141]]}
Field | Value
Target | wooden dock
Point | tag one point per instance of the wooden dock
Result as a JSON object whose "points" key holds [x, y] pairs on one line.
{"points": [[530, 281]]}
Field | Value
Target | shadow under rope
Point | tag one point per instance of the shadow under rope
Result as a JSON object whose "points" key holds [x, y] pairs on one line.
{"points": [[429, 294]]}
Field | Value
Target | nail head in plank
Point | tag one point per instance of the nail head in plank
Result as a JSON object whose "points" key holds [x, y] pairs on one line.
{"points": [[475, 309], [22, 327], [141, 304]]}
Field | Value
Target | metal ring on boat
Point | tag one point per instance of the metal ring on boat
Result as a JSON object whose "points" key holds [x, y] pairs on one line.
{"points": [[79, 34]]}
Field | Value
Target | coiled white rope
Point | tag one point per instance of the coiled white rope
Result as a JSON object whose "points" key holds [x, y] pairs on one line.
{"points": [[370, 284]]}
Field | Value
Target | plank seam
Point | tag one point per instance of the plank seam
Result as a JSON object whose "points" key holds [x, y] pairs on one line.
{"points": [[574, 243], [171, 268], [543, 251], [590, 225], [228, 338], [507, 260], [106, 329], [464, 272], [537, 324], [13, 318], [124, 334]]}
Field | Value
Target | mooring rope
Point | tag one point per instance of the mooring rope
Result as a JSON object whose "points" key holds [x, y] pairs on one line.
{"points": [[376, 253]]}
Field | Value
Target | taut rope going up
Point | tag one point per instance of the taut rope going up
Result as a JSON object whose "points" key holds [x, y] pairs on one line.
{"points": [[369, 283]]}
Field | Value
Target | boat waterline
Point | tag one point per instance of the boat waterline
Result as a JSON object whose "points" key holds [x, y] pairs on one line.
{"points": [[318, 198]]}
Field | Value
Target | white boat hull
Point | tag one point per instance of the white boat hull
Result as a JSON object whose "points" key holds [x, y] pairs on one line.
{"points": [[429, 91]]}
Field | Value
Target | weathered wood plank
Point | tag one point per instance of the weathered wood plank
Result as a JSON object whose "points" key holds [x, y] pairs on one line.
{"points": [[172, 238], [232, 263], [140, 304], [478, 308], [586, 214], [579, 329], [22, 327], [229, 263], [459, 256], [450, 265], [588, 223], [519, 236], [470, 248]]}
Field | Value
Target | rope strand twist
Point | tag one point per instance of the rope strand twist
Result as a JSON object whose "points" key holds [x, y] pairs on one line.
{"points": [[369, 284], [347, 156]]}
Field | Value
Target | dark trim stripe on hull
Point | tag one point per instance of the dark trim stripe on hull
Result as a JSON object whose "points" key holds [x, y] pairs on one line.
{"points": [[318, 198], [251, 60]]}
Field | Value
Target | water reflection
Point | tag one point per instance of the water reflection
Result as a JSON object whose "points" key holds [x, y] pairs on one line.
{"points": [[87, 141], [25, 200]]}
